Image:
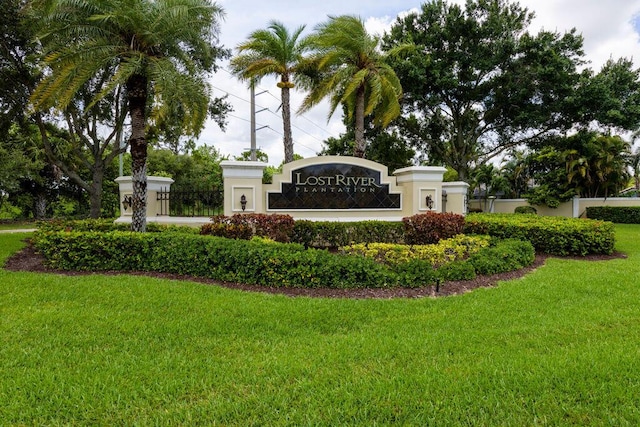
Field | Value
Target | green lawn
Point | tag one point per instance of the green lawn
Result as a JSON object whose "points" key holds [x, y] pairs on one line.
{"points": [[558, 347]]}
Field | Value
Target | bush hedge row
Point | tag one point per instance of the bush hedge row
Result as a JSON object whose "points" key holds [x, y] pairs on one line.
{"points": [[421, 229], [617, 214], [258, 261], [437, 254], [105, 225], [332, 234], [550, 235]]}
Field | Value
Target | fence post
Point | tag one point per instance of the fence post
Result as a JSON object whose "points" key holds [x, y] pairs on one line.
{"points": [[576, 206]]}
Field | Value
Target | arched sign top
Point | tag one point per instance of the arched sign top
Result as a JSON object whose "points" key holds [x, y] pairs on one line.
{"points": [[333, 183]]}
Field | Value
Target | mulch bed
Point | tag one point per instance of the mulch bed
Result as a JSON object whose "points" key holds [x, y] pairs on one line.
{"points": [[29, 260]]}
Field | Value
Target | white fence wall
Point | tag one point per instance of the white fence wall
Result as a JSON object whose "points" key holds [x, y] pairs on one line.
{"points": [[575, 208]]}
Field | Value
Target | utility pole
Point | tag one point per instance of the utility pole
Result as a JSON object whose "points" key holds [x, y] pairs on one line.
{"points": [[253, 120]]}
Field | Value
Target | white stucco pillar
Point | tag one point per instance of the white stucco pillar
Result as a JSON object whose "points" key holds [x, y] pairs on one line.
{"points": [[242, 187], [155, 205], [457, 193], [422, 188]]}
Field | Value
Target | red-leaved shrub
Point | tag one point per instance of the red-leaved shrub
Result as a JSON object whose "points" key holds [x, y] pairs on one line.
{"points": [[431, 227], [243, 226]]}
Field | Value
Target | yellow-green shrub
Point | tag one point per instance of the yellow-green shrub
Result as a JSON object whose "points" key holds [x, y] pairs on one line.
{"points": [[445, 251]]}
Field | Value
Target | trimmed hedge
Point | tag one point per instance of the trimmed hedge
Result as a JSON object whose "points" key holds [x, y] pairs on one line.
{"points": [[525, 210], [617, 214], [551, 235], [506, 255], [105, 225], [256, 261], [332, 234]]}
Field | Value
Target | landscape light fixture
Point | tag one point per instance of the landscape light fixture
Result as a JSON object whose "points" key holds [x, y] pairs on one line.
{"points": [[429, 202]]}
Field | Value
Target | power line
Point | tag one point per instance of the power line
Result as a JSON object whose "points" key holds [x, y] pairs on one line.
{"points": [[277, 99]]}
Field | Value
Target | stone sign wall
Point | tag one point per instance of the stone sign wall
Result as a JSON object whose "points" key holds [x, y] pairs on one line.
{"points": [[339, 188]]}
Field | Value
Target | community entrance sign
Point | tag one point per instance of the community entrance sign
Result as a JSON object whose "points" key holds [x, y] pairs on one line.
{"points": [[340, 188], [334, 186]]}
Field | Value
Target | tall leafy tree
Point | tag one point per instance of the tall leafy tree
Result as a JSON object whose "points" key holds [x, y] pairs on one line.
{"points": [[160, 52], [274, 51], [479, 83], [352, 71], [610, 99]]}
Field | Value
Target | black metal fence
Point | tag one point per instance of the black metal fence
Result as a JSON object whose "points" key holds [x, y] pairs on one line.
{"points": [[191, 202]]}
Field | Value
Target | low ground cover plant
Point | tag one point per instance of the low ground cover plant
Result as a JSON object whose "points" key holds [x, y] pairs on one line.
{"points": [[550, 235]]}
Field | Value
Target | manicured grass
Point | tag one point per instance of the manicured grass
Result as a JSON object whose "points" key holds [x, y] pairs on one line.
{"points": [[558, 347]]}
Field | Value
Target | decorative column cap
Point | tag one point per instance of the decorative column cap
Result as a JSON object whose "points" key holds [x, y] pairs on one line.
{"points": [[420, 174], [240, 169]]}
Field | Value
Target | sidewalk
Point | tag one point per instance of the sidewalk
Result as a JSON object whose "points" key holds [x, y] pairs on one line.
{"points": [[23, 230]]}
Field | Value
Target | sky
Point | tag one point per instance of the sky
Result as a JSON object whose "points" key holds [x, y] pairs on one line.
{"points": [[611, 29]]}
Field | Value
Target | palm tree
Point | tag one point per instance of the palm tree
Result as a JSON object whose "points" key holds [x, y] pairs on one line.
{"points": [[599, 168], [352, 71], [274, 51], [634, 162], [160, 52]]}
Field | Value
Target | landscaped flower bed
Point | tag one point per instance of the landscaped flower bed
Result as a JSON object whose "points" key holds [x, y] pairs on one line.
{"points": [[360, 264]]}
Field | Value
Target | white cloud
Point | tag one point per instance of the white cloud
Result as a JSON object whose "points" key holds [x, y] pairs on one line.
{"points": [[605, 25]]}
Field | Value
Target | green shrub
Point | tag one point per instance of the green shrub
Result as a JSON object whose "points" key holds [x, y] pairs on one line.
{"points": [[551, 235], [333, 234], [105, 225], [525, 210], [431, 227], [616, 214], [416, 273], [259, 262], [506, 255], [456, 270]]}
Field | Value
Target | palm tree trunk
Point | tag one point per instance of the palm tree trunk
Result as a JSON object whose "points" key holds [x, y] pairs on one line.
{"points": [[286, 123], [137, 96], [359, 146]]}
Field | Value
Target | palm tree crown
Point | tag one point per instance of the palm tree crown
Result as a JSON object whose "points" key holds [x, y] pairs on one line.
{"points": [[159, 50], [274, 51], [353, 72]]}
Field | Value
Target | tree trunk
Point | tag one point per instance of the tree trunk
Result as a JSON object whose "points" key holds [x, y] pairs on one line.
{"points": [[137, 95], [95, 193], [359, 146], [286, 122], [40, 205]]}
